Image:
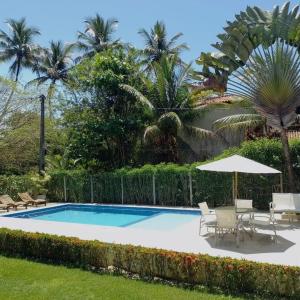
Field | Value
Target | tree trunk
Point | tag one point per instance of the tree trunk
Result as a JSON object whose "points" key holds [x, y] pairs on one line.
{"points": [[287, 157], [42, 137], [50, 94], [18, 70]]}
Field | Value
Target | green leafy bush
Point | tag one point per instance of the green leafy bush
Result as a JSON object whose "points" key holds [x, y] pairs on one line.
{"points": [[232, 275], [172, 181], [12, 185]]}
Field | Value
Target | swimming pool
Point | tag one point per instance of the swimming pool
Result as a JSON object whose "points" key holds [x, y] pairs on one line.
{"points": [[118, 216]]}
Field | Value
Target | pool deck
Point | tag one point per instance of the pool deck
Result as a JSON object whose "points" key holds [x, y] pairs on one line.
{"points": [[184, 238]]}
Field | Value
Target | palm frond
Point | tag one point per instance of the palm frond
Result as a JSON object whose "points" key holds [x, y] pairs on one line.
{"points": [[197, 132], [138, 95], [238, 122], [37, 81], [151, 134]]}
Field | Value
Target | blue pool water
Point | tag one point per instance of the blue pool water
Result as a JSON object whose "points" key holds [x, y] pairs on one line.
{"points": [[105, 215]]}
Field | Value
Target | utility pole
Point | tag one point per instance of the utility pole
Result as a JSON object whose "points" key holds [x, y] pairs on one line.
{"points": [[42, 136]]}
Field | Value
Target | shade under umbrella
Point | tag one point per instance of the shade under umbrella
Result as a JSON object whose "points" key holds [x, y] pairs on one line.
{"points": [[238, 164]]}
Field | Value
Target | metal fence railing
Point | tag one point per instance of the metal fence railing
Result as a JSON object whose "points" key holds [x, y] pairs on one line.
{"points": [[173, 189]]}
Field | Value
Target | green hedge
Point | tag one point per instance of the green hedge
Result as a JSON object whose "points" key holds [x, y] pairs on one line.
{"points": [[172, 181], [231, 275]]}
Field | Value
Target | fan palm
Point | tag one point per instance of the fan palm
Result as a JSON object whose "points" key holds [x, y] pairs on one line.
{"points": [[247, 31], [97, 35], [157, 44], [270, 80], [17, 46], [53, 67], [169, 100]]}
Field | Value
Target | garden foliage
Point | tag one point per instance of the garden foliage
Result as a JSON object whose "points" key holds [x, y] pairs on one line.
{"points": [[231, 275], [172, 181]]}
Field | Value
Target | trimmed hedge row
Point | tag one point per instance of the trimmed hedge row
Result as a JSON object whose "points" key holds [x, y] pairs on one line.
{"points": [[172, 182], [231, 275]]}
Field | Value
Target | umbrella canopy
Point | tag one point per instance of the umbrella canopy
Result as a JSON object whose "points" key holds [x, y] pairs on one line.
{"points": [[238, 164]]}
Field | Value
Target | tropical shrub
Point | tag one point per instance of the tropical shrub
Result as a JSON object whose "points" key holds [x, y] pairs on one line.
{"points": [[231, 275], [19, 143], [174, 185], [172, 182], [12, 185], [103, 121]]}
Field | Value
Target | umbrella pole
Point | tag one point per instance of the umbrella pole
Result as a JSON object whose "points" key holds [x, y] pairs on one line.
{"points": [[233, 187], [236, 185]]}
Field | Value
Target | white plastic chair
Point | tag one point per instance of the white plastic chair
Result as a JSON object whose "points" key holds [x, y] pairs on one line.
{"points": [[205, 212], [227, 222], [282, 202], [296, 203], [286, 203], [243, 203]]}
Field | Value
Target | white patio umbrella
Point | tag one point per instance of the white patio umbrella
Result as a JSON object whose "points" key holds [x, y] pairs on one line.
{"points": [[238, 164]]}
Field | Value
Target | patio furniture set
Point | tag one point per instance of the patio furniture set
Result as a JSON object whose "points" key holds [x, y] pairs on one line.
{"points": [[236, 219]]}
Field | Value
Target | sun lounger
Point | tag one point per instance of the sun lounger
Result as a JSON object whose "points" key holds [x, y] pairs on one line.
{"points": [[30, 201], [7, 200], [4, 207]]}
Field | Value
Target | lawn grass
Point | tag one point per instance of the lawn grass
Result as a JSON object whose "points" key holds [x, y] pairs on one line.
{"points": [[22, 279]]}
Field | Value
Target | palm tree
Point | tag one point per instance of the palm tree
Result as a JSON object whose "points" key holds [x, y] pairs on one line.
{"points": [[270, 80], [53, 67], [97, 35], [18, 46], [157, 44], [169, 101]]}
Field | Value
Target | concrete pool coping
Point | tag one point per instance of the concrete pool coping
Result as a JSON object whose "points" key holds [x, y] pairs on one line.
{"points": [[53, 204], [184, 238]]}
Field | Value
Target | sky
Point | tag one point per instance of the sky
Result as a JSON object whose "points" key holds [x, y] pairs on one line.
{"points": [[199, 20]]}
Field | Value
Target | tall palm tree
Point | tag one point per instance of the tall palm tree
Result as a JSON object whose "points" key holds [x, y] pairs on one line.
{"points": [[53, 67], [157, 44], [270, 80], [169, 101], [97, 35], [17, 46]]}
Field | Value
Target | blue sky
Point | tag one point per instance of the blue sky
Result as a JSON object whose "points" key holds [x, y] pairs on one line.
{"points": [[199, 20]]}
